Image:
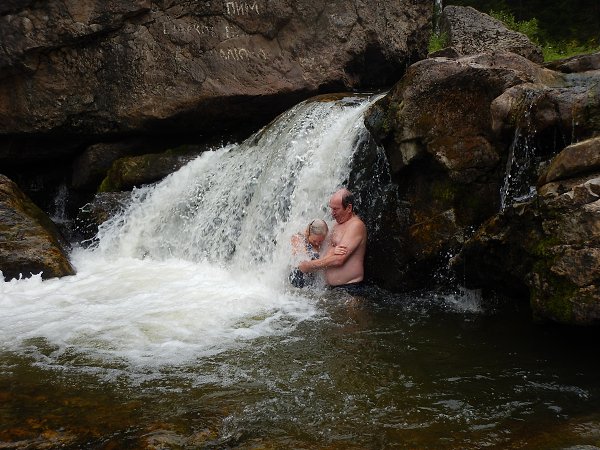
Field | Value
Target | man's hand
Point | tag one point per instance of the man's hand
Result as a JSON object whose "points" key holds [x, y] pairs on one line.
{"points": [[304, 266], [340, 250]]}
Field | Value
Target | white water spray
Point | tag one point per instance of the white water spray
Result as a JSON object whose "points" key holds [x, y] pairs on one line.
{"points": [[198, 263], [238, 206], [518, 185]]}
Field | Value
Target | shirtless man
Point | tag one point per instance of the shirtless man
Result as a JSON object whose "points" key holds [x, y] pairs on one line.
{"points": [[350, 233]]}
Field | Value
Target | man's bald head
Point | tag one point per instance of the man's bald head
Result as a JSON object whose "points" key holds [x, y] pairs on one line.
{"points": [[342, 205]]}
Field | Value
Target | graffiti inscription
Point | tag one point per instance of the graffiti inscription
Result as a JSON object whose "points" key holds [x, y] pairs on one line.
{"points": [[242, 54], [241, 8]]}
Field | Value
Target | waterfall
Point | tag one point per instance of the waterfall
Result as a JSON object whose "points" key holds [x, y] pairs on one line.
{"points": [[59, 214], [520, 176], [198, 263], [238, 206], [438, 7]]}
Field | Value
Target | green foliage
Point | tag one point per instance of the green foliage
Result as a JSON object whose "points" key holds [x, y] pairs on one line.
{"points": [[529, 28], [551, 49], [437, 41], [560, 50], [558, 21]]}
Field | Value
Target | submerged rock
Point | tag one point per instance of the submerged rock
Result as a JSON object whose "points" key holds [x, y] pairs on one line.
{"points": [[30, 243], [469, 31]]}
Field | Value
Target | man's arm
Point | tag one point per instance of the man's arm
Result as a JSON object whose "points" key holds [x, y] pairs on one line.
{"points": [[352, 239]]}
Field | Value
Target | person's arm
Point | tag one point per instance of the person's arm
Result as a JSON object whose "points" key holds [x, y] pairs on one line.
{"points": [[337, 258], [296, 244]]}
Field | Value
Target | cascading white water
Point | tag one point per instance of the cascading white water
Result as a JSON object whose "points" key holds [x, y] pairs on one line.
{"points": [[239, 205], [519, 182], [438, 7], [199, 262]]}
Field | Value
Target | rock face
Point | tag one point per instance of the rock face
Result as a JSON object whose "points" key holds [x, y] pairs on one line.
{"points": [[549, 245], [445, 158], [468, 140], [29, 241], [469, 31], [565, 279], [94, 68]]}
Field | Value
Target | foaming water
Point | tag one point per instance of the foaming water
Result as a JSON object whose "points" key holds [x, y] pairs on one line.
{"points": [[197, 264], [141, 313]]}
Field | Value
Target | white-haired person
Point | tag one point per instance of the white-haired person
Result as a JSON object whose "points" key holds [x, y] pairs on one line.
{"points": [[307, 245]]}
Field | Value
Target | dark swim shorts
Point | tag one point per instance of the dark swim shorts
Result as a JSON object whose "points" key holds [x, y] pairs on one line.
{"points": [[351, 288], [299, 279]]}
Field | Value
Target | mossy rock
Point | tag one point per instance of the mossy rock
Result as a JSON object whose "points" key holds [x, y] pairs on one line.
{"points": [[135, 171], [30, 243]]}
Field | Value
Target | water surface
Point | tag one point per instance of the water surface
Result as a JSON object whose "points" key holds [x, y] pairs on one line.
{"points": [[180, 330], [331, 371]]}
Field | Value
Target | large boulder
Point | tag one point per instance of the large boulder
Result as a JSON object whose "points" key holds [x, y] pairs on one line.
{"points": [[576, 64], [445, 158], [466, 138], [92, 68], [548, 246], [565, 279], [29, 241], [557, 112], [469, 31], [576, 159]]}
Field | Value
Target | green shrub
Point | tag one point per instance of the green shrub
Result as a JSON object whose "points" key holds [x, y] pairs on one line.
{"points": [[551, 49], [561, 50], [437, 41], [529, 28]]}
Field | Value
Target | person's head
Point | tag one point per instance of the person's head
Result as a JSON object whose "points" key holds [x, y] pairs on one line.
{"points": [[316, 232], [342, 205]]}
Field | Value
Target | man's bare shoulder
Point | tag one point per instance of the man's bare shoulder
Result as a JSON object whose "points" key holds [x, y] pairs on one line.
{"points": [[357, 224]]}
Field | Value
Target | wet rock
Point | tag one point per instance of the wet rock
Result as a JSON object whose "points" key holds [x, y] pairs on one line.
{"points": [[573, 160], [452, 130], [565, 279], [104, 206], [469, 31], [95, 68], [30, 243], [579, 63], [498, 256], [90, 168], [558, 110], [549, 247], [378, 206], [445, 158], [135, 171], [442, 108]]}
